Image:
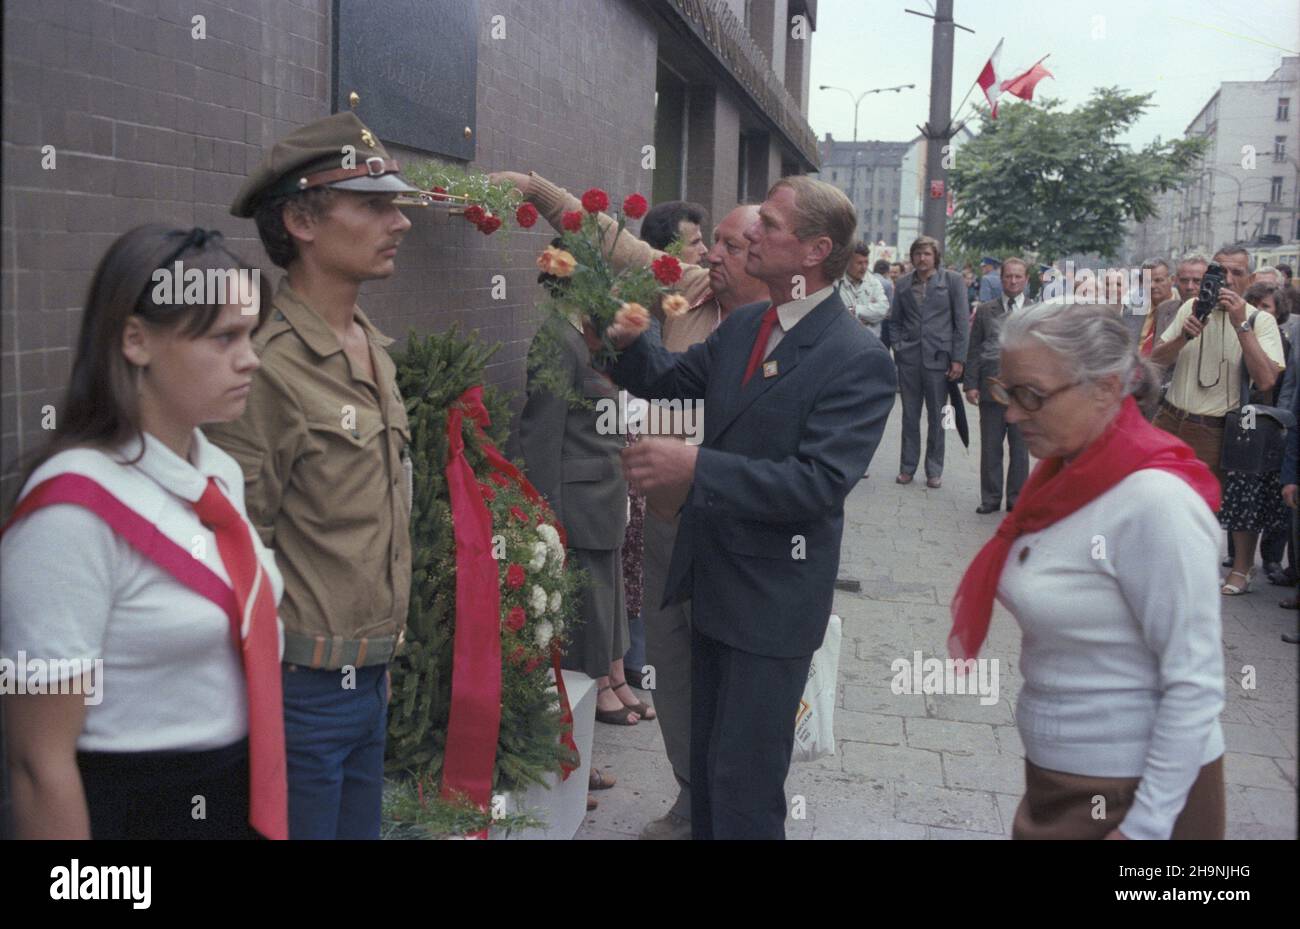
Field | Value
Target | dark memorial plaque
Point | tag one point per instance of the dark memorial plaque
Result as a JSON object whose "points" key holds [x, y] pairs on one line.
{"points": [[414, 65]]}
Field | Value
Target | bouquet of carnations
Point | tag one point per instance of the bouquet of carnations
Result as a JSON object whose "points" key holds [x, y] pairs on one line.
{"points": [[593, 289], [482, 203]]}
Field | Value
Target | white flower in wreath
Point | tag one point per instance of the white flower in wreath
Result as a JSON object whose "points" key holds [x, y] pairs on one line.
{"points": [[553, 544], [539, 557], [544, 632], [556, 600], [538, 601]]}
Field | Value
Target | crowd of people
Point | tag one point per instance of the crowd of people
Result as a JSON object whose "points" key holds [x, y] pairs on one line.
{"points": [[236, 481]]}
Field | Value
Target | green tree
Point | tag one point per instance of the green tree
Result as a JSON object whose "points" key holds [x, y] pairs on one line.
{"points": [[1043, 180]]}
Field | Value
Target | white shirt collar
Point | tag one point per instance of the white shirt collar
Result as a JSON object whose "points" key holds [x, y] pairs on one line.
{"points": [[790, 313], [1016, 302], [173, 473]]}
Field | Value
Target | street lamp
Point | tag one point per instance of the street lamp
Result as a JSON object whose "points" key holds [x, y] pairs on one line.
{"points": [[857, 101]]}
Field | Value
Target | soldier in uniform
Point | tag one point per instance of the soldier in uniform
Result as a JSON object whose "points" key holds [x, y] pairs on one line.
{"points": [[322, 445]]}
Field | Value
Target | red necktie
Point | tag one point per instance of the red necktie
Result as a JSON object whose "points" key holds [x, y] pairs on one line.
{"points": [[760, 344], [258, 639]]}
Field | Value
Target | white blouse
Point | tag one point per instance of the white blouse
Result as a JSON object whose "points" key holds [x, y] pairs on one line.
{"points": [[73, 589], [1122, 652]]}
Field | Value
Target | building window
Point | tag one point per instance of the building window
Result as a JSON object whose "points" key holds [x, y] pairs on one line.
{"points": [[1275, 195], [1279, 148], [1273, 226], [1283, 109]]}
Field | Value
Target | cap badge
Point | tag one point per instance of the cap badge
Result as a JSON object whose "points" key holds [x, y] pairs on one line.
{"points": [[368, 138]]}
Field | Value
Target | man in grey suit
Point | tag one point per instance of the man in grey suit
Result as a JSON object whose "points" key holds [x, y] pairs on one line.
{"points": [[798, 393], [981, 364], [929, 325]]}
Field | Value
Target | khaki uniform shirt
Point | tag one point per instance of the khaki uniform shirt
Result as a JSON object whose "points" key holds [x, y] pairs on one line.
{"points": [[1207, 374], [327, 485]]}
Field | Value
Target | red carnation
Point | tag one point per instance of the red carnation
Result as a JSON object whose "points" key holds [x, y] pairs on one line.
{"points": [[436, 193], [475, 214], [634, 207], [515, 576], [571, 222], [517, 655], [668, 271], [519, 515], [515, 618], [533, 664], [498, 478], [595, 200], [526, 216], [488, 493], [490, 225]]}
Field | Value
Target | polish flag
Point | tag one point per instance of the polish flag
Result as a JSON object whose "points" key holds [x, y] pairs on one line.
{"points": [[988, 79], [1023, 85]]}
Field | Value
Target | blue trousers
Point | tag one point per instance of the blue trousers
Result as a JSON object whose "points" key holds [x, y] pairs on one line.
{"points": [[334, 746]]}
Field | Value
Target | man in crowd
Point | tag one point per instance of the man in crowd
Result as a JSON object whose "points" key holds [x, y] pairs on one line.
{"points": [[929, 325], [862, 294], [713, 295], [802, 395], [323, 447], [981, 364], [881, 271], [1206, 359], [1188, 285], [677, 220], [896, 270], [990, 280], [1138, 305]]}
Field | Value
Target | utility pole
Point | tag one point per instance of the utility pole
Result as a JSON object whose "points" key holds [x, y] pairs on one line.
{"points": [[938, 131]]}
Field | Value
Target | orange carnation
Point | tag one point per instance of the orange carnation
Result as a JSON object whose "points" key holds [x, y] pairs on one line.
{"points": [[675, 305], [633, 316]]}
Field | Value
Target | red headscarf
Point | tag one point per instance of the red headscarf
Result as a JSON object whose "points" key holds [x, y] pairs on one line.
{"points": [[1053, 492]]}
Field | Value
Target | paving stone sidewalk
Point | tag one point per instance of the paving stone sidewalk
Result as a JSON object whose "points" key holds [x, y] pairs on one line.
{"points": [[945, 767]]}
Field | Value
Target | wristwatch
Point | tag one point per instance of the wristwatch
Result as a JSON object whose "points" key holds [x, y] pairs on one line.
{"points": [[1245, 326]]}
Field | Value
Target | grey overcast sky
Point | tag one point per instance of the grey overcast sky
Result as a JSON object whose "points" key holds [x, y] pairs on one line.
{"points": [[1181, 49]]}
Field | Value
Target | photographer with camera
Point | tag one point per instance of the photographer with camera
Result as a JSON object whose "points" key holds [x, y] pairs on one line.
{"points": [[1206, 344]]}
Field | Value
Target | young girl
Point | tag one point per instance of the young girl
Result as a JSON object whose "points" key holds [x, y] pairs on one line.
{"points": [[128, 560]]}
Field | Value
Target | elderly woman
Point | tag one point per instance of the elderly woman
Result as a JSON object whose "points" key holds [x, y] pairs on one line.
{"points": [[1115, 596]]}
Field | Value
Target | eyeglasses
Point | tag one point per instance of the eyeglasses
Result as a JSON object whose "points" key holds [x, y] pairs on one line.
{"points": [[1028, 399]]}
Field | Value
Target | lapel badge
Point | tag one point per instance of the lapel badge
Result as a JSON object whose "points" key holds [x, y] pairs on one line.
{"points": [[769, 369]]}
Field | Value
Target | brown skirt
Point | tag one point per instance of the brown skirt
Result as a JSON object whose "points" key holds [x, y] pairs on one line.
{"points": [[1060, 806]]}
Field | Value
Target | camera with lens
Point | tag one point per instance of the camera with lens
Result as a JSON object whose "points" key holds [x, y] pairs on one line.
{"points": [[1208, 298]]}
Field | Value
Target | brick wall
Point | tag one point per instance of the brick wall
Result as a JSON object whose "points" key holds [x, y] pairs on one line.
{"points": [[150, 124]]}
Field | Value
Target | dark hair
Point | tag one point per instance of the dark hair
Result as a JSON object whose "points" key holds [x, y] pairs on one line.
{"points": [[659, 226], [1257, 293], [1284, 270], [880, 267], [925, 241], [861, 248], [897, 264], [100, 408], [269, 216]]}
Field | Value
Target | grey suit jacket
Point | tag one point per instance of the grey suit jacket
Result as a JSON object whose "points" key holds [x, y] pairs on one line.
{"points": [[940, 325], [983, 356], [575, 467]]}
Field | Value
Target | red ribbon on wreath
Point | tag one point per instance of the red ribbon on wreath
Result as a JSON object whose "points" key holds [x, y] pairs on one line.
{"points": [[474, 721]]}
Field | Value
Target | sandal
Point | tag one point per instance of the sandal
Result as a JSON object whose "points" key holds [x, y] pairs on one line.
{"points": [[592, 803], [617, 717], [639, 708], [1232, 590], [597, 780]]}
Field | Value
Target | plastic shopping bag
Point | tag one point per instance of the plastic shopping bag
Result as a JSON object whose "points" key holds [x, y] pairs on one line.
{"points": [[813, 732]]}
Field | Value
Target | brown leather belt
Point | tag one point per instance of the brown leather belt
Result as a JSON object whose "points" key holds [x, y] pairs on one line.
{"points": [[1195, 418]]}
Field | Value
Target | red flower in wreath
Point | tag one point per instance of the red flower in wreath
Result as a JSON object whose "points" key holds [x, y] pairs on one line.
{"points": [[526, 216], [488, 493], [635, 206], [475, 214], [519, 515], [668, 270], [533, 664], [595, 200], [571, 222], [490, 225], [499, 479], [515, 619], [515, 576], [517, 655]]}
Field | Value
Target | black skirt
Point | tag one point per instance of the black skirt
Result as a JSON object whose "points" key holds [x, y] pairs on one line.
{"points": [[168, 795]]}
